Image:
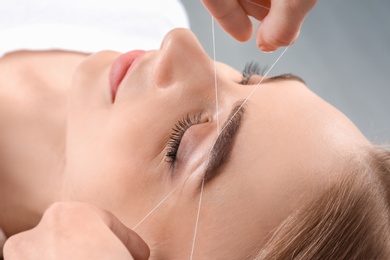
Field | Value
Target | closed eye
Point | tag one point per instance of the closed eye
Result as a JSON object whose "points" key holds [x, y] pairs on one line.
{"points": [[177, 134], [253, 68], [250, 69]]}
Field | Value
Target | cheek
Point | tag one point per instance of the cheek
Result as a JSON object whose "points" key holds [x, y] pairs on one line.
{"points": [[124, 188], [109, 165], [229, 217], [90, 85]]}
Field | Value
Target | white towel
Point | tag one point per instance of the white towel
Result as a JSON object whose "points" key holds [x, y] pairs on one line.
{"points": [[88, 25]]}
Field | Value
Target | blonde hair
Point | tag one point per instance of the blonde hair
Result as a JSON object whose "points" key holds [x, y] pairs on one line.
{"points": [[350, 220]]}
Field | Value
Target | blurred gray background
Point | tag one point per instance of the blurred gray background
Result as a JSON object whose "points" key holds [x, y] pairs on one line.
{"points": [[342, 53]]}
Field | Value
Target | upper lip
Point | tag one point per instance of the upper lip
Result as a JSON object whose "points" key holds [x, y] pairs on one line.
{"points": [[120, 67]]}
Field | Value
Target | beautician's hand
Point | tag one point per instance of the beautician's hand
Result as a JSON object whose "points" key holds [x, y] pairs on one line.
{"points": [[77, 231], [280, 24]]}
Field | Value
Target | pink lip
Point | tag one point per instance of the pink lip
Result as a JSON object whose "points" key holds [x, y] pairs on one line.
{"points": [[121, 66]]}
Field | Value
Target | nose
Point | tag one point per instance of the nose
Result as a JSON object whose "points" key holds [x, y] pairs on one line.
{"points": [[182, 60]]}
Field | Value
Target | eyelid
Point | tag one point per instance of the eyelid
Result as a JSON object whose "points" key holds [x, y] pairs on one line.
{"points": [[251, 69], [177, 134]]}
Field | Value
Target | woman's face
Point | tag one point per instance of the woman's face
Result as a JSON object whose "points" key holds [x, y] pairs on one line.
{"points": [[123, 153]]}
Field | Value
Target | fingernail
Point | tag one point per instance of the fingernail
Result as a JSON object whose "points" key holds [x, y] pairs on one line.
{"points": [[265, 49]]}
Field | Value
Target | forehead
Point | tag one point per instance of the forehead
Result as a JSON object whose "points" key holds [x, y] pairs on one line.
{"points": [[288, 110], [291, 139]]}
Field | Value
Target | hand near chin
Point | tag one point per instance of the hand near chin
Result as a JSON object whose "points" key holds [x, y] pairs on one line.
{"points": [[74, 230], [281, 20]]}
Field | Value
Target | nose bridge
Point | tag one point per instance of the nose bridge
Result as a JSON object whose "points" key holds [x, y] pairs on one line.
{"points": [[182, 62]]}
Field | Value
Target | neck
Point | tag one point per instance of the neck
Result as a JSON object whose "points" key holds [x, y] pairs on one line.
{"points": [[33, 111]]}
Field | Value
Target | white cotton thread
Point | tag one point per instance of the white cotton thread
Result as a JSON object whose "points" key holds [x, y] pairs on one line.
{"points": [[215, 75], [157, 206], [218, 132], [197, 220], [263, 6]]}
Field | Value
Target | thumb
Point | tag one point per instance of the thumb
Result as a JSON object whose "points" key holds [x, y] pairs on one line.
{"points": [[282, 24], [133, 242]]}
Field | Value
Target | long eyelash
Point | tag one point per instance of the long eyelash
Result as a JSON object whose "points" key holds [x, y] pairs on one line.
{"points": [[250, 69], [177, 134]]}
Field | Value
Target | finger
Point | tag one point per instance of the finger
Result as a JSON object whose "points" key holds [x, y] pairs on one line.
{"points": [[281, 26], [15, 245], [232, 18], [258, 9], [62, 215], [133, 242]]}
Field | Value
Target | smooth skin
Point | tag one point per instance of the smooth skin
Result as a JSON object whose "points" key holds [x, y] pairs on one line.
{"points": [[291, 146], [281, 20]]}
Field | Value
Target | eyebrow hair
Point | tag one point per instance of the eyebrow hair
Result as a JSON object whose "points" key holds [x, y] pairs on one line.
{"points": [[286, 76], [222, 147]]}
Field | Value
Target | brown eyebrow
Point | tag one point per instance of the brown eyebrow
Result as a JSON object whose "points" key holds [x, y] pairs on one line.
{"points": [[222, 147], [286, 76]]}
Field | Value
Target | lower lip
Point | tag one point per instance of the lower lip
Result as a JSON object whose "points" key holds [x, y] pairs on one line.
{"points": [[121, 66]]}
